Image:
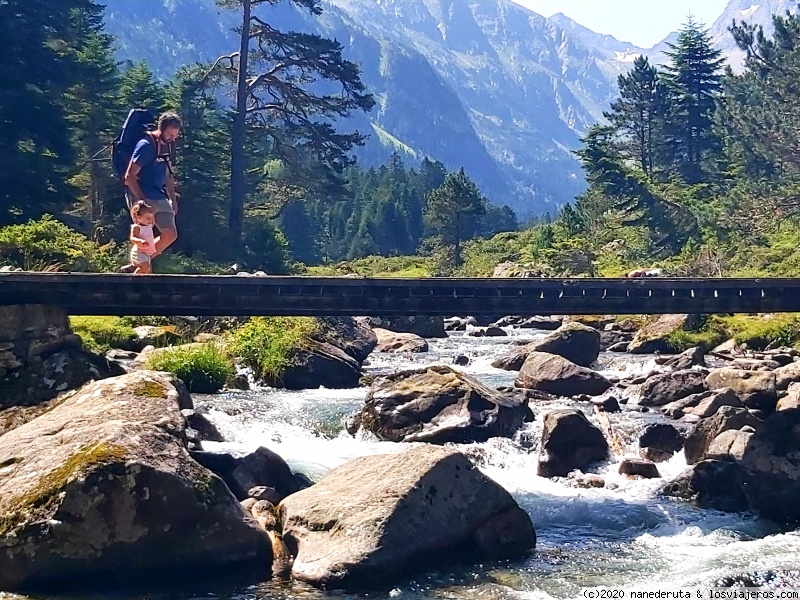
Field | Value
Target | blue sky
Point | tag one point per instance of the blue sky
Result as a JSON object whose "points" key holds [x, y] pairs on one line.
{"points": [[641, 22]]}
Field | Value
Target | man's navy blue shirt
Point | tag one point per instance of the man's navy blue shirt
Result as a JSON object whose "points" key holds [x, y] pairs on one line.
{"points": [[153, 174]]}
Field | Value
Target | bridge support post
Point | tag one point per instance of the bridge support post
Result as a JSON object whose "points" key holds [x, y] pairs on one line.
{"points": [[30, 331]]}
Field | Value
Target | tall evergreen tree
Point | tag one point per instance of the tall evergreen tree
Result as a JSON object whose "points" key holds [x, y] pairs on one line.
{"points": [[273, 72], [453, 212], [694, 81], [638, 115], [139, 88], [93, 109], [204, 148], [37, 69]]}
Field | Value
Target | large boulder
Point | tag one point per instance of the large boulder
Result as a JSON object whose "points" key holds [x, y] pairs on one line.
{"points": [[699, 439], [352, 335], [711, 484], [389, 341], [261, 468], [659, 441], [575, 342], [427, 327], [439, 404], [756, 389], [56, 373], [103, 480], [318, 364], [556, 375], [514, 358], [693, 357], [660, 390], [770, 462], [374, 517], [654, 337], [569, 442], [787, 375]]}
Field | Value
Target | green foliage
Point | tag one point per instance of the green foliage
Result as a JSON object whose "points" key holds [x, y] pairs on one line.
{"points": [[267, 344], [100, 334], [48, 244], [453, 212], [760, 332], [204, 368]]}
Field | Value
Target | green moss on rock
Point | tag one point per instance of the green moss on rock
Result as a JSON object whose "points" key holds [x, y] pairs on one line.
{"points": [[41, 500]]}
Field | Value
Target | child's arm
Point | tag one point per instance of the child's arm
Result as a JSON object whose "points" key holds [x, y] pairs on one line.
{"points": [[135, 239]]}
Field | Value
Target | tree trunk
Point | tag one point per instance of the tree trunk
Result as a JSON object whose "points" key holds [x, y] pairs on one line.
{"points": [[238, 133]]}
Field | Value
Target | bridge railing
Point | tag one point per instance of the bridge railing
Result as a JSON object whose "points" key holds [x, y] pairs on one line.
{"points": [[103, 294]]}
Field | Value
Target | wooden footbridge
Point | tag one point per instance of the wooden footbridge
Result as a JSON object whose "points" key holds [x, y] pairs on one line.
{"points": [[100, 294]]}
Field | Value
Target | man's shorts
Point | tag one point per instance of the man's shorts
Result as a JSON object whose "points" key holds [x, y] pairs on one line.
{"points": [[138, 257], [165, 214]]}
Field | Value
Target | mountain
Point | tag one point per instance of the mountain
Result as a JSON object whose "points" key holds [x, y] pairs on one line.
{"points": [[757, 12], [487, 85]]}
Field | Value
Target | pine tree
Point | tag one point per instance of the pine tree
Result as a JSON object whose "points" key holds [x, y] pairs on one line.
{"points": [[694, 80], [638, 115], [203, 154], [453, 212], [139, 88], [273, 72], [36, 71], [93, 110]]}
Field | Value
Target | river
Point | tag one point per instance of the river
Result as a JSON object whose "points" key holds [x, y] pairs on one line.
{"points": [[619, 536]]}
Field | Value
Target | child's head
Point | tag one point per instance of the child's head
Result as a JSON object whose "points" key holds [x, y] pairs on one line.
{"points": [[143, 213]]}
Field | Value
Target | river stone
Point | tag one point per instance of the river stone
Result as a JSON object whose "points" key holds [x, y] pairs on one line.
{"points": [[55, 374], [753, 364], [787, 375], [711, 484], [427, 327], [703, 433], [569, 442], [368, 521], [709, 405], [389, 341], [352, 335], [636, 467], [693, 357], [665, 388], [542, 323], [654, 337], [556, 375], [770, 462], [514, 358], [729, 445], [611, 339], [755, 389], [575, 342], [155, 335], [438, 405], [320, 364], [659, 441], [104, 480], [791, 399]]}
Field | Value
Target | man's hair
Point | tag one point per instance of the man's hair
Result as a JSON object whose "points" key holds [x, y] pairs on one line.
{"points": [[169, 119]]}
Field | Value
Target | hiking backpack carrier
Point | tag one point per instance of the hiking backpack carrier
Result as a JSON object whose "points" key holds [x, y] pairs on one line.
{"points": [[138, 122]]}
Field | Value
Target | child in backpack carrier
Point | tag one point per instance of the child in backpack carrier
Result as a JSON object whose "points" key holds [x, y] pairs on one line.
{"points": [[142, 238]]}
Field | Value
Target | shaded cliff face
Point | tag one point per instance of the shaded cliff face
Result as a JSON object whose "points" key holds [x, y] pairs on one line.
{"points": [[483, 84]]}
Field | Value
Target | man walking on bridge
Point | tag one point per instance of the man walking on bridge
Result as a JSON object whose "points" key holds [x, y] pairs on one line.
{"points": [[149, 178]]}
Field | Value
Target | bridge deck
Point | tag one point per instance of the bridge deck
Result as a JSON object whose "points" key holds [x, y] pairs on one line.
{"points": [[101, 294]]}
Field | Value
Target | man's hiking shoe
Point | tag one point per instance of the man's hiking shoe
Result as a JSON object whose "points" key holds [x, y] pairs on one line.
{"points": [[127, 268]]}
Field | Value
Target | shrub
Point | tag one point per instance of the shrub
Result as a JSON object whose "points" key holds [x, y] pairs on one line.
{"points": [[48, 244], [266, 344], [102, 333], [204, 368]]}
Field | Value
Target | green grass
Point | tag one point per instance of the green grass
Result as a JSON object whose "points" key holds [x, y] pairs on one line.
{"points": [[103, 333], [204, 368], [267, 344], [757, 331], [761, 331]]}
